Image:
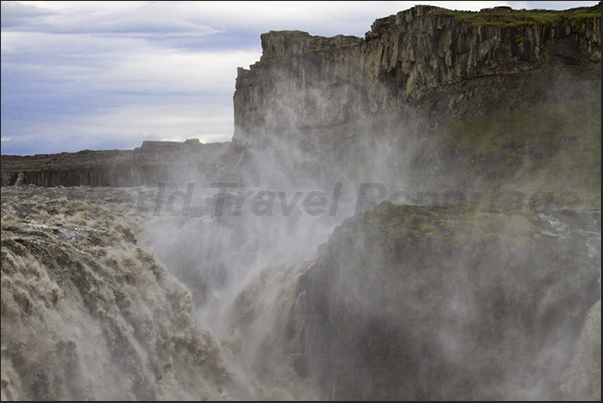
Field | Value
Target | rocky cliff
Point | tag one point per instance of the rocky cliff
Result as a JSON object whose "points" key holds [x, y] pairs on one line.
{"points": [[347, 108], [446, 303], [150, 164], [450, 63]]}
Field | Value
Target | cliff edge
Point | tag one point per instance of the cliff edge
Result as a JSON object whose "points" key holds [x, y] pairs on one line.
{"points": [[335, 108], [449, 63]]}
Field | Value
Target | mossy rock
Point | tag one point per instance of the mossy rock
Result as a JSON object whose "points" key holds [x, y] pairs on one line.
{"points": [[397, 286], [550, 149]]}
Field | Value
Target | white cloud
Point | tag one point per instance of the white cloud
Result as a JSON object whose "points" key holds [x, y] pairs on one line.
{"points": [[172, 121], [112, 73], [212, 17], [166, 70], [159, 96]]}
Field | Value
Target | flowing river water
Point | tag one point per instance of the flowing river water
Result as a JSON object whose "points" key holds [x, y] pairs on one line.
{"points": [[104, 296]]}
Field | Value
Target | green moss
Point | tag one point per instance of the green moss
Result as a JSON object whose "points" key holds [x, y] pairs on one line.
{"points": [[553, 148], [545, 59], [505, 17], [392, 227], [480, 225], [401, 235]]}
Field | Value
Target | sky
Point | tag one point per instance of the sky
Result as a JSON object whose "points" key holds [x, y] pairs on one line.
{"points": [[108, 75]]}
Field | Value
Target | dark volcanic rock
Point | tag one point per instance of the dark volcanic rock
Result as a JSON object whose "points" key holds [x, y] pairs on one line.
{"points": [[443, 62], [153, 163], [418, 303]]}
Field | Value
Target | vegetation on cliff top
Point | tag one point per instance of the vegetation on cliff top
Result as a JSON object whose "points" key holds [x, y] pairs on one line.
{"points": [[390, 226], [507, 17]]}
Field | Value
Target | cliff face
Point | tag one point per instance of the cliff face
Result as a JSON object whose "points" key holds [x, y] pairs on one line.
{"points": [[305, 81], [152, 163], [426, 303], [340, 99], [427, 47]]}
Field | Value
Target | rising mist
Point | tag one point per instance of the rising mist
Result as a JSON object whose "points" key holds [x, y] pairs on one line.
{"points": [[413, 215]]}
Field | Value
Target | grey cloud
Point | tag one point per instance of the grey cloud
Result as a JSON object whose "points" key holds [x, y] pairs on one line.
{"points": [[143, 22], [14, 14]]}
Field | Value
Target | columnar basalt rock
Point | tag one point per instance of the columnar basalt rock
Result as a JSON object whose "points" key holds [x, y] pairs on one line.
{"points": [[306, 81]]}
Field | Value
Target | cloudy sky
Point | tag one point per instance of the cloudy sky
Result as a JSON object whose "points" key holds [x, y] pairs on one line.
{"points": [[108, 75]]}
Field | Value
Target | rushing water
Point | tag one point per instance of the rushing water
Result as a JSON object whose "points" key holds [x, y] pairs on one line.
{"points": [[107, 296], [89, 310]]}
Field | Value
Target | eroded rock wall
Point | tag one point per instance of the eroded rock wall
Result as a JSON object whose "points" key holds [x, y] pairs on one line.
{"points": [[305, 81]]}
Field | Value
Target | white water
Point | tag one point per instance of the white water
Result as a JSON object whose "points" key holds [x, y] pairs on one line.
{"points": [[101, 300], [89, 312]]}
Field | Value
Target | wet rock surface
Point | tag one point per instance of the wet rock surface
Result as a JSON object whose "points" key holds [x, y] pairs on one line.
{"points": [[413, 302]]}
